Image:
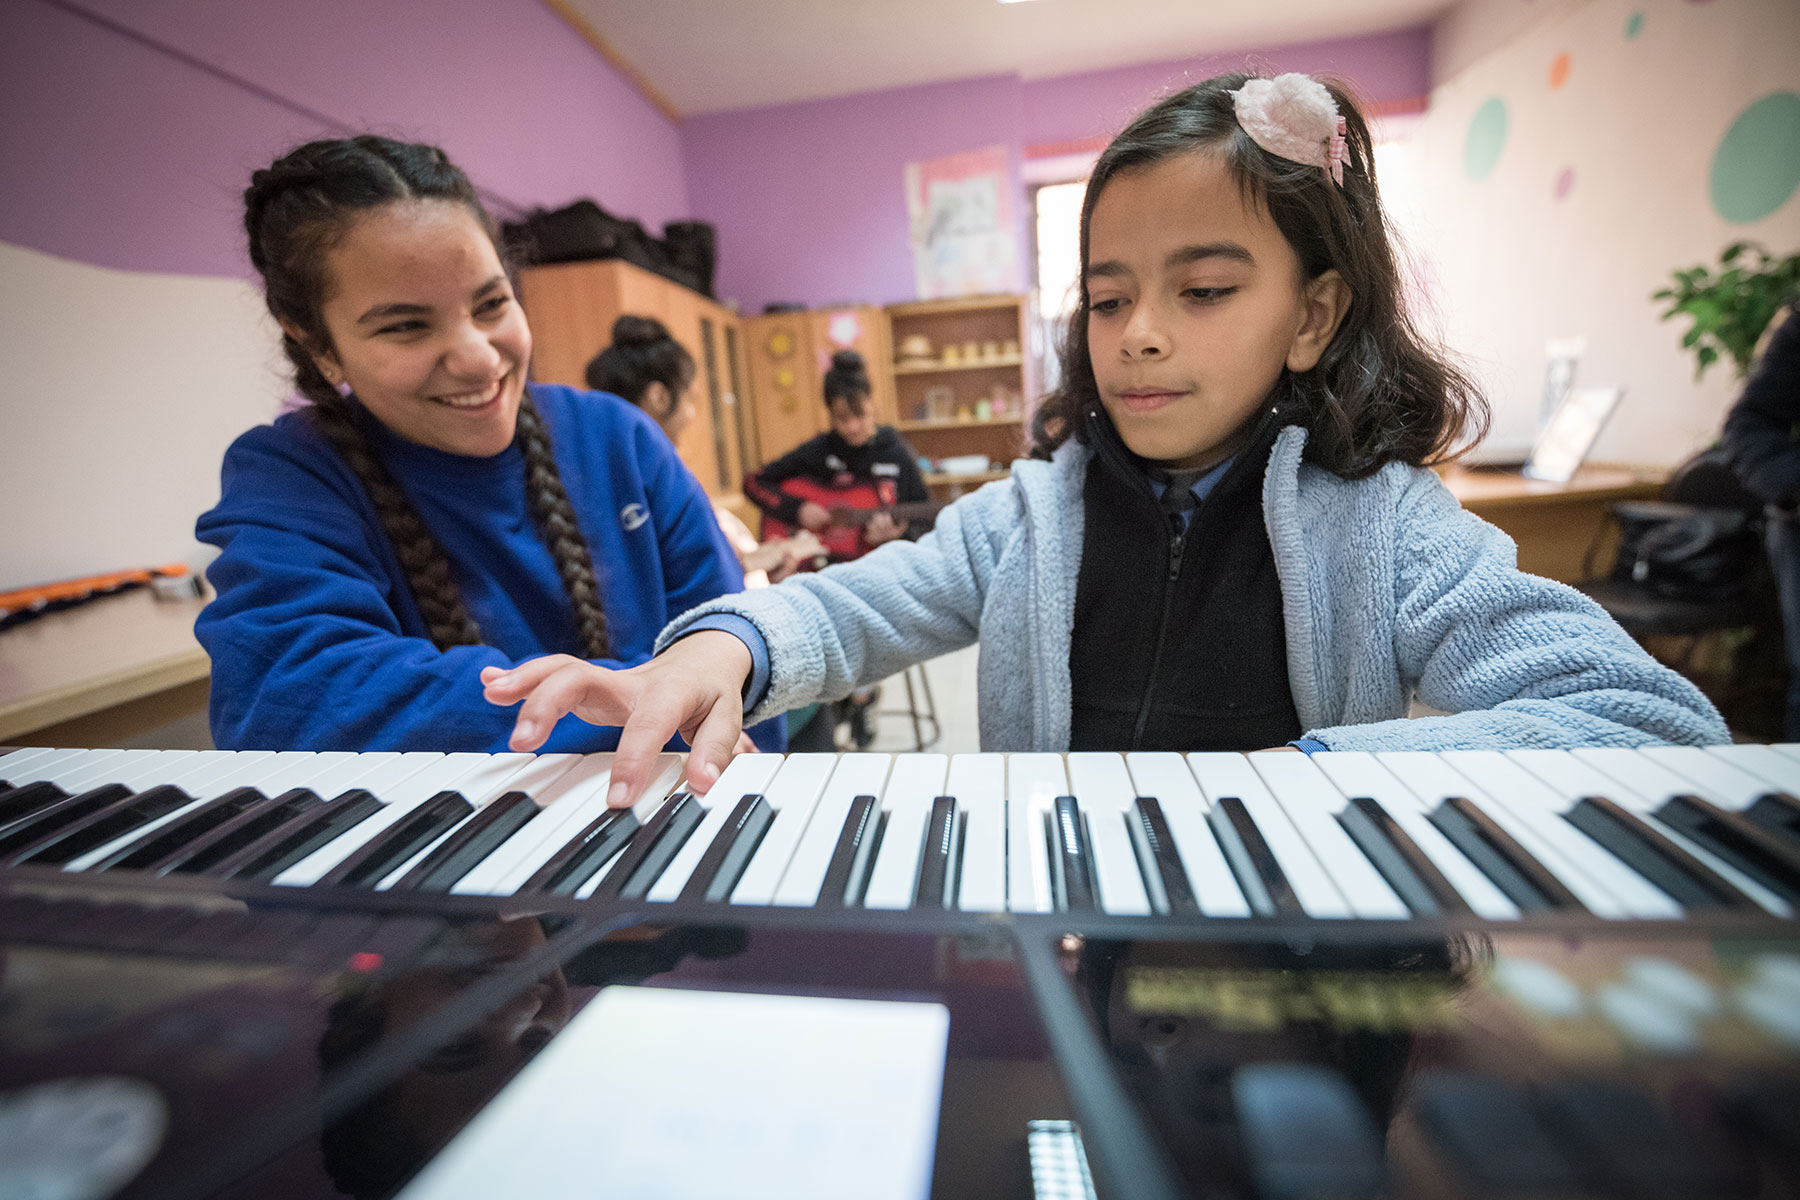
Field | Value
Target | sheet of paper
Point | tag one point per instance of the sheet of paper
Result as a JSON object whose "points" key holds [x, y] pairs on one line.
{"points": [[666, 1093]]}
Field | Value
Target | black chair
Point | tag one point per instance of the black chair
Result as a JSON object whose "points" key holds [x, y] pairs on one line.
{"points": [[1704, 512]]}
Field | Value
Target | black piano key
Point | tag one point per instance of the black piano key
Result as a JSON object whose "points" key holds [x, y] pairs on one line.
{"points": [[848, 872], [1749, 847], [22, 801], [1165, 877], [936, 855], [1408, 869], [226, 839], [141, 853], [1258, 873], [1071, 859], [1767, 1112], [586, 853], [478, 837], [384, 853], [1688, 881], [1513, 869], [720, 868], [1488, 1131], [34, 829], [110, 823], [1779, 813], [282, 847], [648, 853]]}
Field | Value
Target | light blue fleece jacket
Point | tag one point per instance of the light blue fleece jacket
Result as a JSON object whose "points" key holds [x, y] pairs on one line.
{"points": [[1390, 593]]}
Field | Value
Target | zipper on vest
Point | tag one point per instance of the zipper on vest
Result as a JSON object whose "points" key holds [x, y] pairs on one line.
{"points": [[1177, 543]]}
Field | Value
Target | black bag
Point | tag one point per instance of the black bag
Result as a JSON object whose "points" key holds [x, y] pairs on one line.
{"points": [[583, 231], [1685, 551]]}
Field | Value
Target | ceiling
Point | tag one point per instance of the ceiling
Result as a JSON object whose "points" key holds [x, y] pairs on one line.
{"points": [[710, 55]]}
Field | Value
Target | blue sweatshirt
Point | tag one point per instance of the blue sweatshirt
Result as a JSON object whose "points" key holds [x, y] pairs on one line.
{"points": [[315, 638]]}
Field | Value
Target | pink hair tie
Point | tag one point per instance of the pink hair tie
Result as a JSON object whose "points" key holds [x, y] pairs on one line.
{"points": [[1293, 116]]}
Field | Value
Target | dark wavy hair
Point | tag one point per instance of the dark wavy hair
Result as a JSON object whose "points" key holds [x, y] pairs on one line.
{"points": [[848, 380], [1380, 393], [642, 353], [295, 211]]}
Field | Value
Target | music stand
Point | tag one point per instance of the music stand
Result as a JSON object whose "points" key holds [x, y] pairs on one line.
{"points": [[1571, 433]]}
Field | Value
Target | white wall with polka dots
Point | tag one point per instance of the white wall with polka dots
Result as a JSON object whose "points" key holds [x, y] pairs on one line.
{"points": [[1572, 156]]}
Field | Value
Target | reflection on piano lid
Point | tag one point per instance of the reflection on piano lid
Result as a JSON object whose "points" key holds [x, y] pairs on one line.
{"points": [[324, 966]]}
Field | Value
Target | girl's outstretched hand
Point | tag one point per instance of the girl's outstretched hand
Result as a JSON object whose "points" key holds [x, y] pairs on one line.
{"points": [[694, 688]]}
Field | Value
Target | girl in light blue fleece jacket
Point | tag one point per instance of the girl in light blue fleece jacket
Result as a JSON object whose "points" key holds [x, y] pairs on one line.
{"points": [[1227, 536]]}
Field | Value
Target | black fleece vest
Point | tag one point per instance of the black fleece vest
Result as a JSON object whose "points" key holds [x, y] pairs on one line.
{"points": [[1179, 642]]}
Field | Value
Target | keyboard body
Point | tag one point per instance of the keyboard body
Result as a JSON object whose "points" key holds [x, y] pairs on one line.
{"points": [[1256, 976]]}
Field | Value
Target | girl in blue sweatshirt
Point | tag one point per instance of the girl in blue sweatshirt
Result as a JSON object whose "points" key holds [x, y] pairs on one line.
{"points": [[428, 513], [1227, 537]]}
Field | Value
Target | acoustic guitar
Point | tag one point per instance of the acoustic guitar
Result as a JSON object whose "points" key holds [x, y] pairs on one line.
{"points": [[852, 507]]}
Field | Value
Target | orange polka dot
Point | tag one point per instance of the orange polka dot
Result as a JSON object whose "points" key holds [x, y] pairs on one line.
{"points": [[1559, 71]]}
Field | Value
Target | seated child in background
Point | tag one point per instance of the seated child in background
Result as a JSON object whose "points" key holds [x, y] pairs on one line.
{"points": [[647, 366], [1228, 537]]}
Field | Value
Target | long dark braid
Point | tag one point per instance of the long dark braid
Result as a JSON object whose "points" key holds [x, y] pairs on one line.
{"points": [[294, 212], [555, 518]]}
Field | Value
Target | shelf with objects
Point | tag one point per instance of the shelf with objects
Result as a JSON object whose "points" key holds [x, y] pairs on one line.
{"points": [[572, 307], [958, 376]]}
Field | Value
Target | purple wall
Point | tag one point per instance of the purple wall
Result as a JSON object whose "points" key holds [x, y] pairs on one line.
{"points": [[130, 146], [808, 197]]}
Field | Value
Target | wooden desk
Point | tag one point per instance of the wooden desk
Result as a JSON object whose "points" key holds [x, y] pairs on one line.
{"points": [[1553, 523], [101, 673]]}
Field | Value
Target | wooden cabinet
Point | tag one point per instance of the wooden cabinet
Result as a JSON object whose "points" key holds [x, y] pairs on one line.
{"points": [[572, 307], [958, 380], [788, 355]]}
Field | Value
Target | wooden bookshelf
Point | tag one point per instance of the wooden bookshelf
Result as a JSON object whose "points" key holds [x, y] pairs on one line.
{"points": [[957, 376]]}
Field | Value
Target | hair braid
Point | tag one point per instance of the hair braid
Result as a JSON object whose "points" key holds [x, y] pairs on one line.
{"points": [[427, 569], [556, 523]]}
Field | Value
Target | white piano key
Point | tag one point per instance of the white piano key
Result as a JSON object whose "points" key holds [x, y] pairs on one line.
{"points": [[917, 780], [793, 794], [1102, 786], [19, 766], [1778, 771], [978, 783], [1312, 803], [1356, 773], [399, 797], [1713, 778], [1033, 782], [855, 775], [1164, 777], [1641, 784], [53, 766], [1568, 779], [1221, 774], [745, 775], [104, 768], [1789, 749], [560, 785], [244, 768], [1530, 812]]}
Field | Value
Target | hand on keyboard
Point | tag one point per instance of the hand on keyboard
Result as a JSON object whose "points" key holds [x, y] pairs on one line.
{"points": [[695, 687]]}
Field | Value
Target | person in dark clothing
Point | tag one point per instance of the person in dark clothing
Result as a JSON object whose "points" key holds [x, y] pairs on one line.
{"points": [[1761, 444], [855, 464]]}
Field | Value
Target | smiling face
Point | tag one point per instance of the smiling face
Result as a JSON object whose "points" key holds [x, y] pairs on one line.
{"points": [[425, 328], [1196, 303]]}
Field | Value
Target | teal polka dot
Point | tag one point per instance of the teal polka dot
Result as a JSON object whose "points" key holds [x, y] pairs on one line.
{"points": [[1634, 25], [1487, 137], [1757, 165]]}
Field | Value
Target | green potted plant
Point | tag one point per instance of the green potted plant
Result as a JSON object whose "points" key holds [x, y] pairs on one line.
{"points": [[1731, 309]]}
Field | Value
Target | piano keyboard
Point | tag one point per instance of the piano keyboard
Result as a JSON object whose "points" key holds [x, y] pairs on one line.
{"points": [[1654, 834]]}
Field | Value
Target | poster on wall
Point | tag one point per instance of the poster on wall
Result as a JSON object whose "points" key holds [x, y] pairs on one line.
{"points": [[965, 238]]}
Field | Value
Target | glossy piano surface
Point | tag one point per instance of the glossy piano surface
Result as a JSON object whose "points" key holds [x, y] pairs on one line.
{"points": [[1260, 976]]}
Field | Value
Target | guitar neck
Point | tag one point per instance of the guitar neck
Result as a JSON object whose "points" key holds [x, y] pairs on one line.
{"points": [[918, 510]]}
